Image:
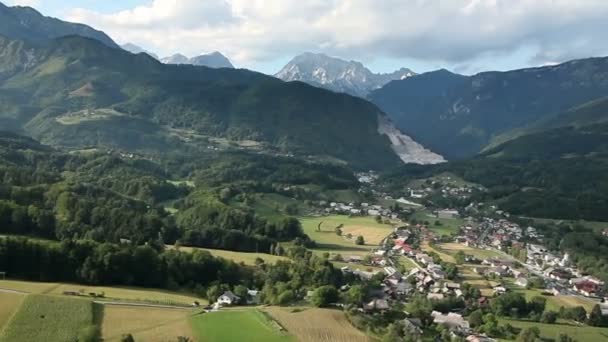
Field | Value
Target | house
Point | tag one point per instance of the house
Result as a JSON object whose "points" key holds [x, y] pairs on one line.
{"points": [[424, 258], [452, 321], [412, 326], [435, 296], [253, 297], [587, 288], [521, 281], [228, 298], [479, 338], [447, 213], [499, 289], [376, 305]]}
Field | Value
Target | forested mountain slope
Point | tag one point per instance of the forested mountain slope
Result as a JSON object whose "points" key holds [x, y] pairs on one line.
{"points": [[76, 92], [458, 116]]}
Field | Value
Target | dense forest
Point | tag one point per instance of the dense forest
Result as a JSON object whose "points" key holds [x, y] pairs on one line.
{"points": [[110, 197], [90, 262]]}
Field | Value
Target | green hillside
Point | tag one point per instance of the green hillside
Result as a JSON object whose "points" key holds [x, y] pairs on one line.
{"points": [[76, 92]]}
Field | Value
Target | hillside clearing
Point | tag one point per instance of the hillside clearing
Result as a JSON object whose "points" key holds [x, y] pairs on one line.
{"points": [[317, 325], [57, 319], [145, 324], [328, 241], [237, 325], [238, 257]]}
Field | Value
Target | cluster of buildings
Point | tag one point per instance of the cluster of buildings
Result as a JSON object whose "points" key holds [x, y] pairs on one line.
{"points": [[362, 209]]}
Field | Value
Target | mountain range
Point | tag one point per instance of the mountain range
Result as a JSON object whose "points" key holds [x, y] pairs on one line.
{"points": [[135, 49], [458, 116], [76, 92], [27, 24], [211, 60], [338, 75]]}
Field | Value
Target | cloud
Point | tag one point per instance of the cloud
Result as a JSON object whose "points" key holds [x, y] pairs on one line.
{"points": [[30, 3], [450, 31]]}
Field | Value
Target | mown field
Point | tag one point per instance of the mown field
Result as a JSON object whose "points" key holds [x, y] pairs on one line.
{"points": [[452, 248], [317, 325], [49, 319], [238, 325], [552, 331], [9, 304], [134, 294], [446, 227], [145, 324], [328, 241], [238, 257]]}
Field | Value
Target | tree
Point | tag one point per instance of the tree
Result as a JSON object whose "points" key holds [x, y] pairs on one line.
{"points": [[476, 318], [360, 241], [460, 257], [565, 338], [127, 338], [394, 332], [242, 292], [214, 292], [378, 219], [325, 295], [420, 307], [355, 295], [338, 231], [548, 317], [596, 319], [529, 335]]}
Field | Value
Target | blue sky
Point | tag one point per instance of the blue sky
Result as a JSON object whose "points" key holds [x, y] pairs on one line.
{"points": [[465, 36]]}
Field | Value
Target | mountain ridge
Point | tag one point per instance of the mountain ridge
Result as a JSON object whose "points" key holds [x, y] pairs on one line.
{"points": [[338, 75], [110, 97], [212, 60], [26, 23], [458, 115]]}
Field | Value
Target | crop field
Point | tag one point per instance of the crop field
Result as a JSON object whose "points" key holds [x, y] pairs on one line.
{"points": [[453, 247], [110, 293], [49, 319], [444, 256], [130, 294], [27, 286], [238, 325], [317, 325], [476, 280], [555, 302], [552, 331], [145, 324], [238, 257], [328, 241], [9, 303]]}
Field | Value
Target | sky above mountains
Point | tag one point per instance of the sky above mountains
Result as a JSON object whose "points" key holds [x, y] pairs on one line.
{"points": [[465, 36]]}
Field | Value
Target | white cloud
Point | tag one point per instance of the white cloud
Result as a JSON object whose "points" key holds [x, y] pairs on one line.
{"points": [[30, 3], [451, 31]]}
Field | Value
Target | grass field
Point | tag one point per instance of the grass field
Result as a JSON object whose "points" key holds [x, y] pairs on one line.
{"points": [[452, 248], [118, 293], [27, 286], [447, 227], [468, 276], [238, 257], [49, 319], [328, 241], [552, 331], [237, 325], [9, 303], [145, 324], [317, 325], [444, 256], [554, 302]]}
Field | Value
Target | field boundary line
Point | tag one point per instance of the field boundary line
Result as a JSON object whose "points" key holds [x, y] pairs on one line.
{"points": [[161, 306]]}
